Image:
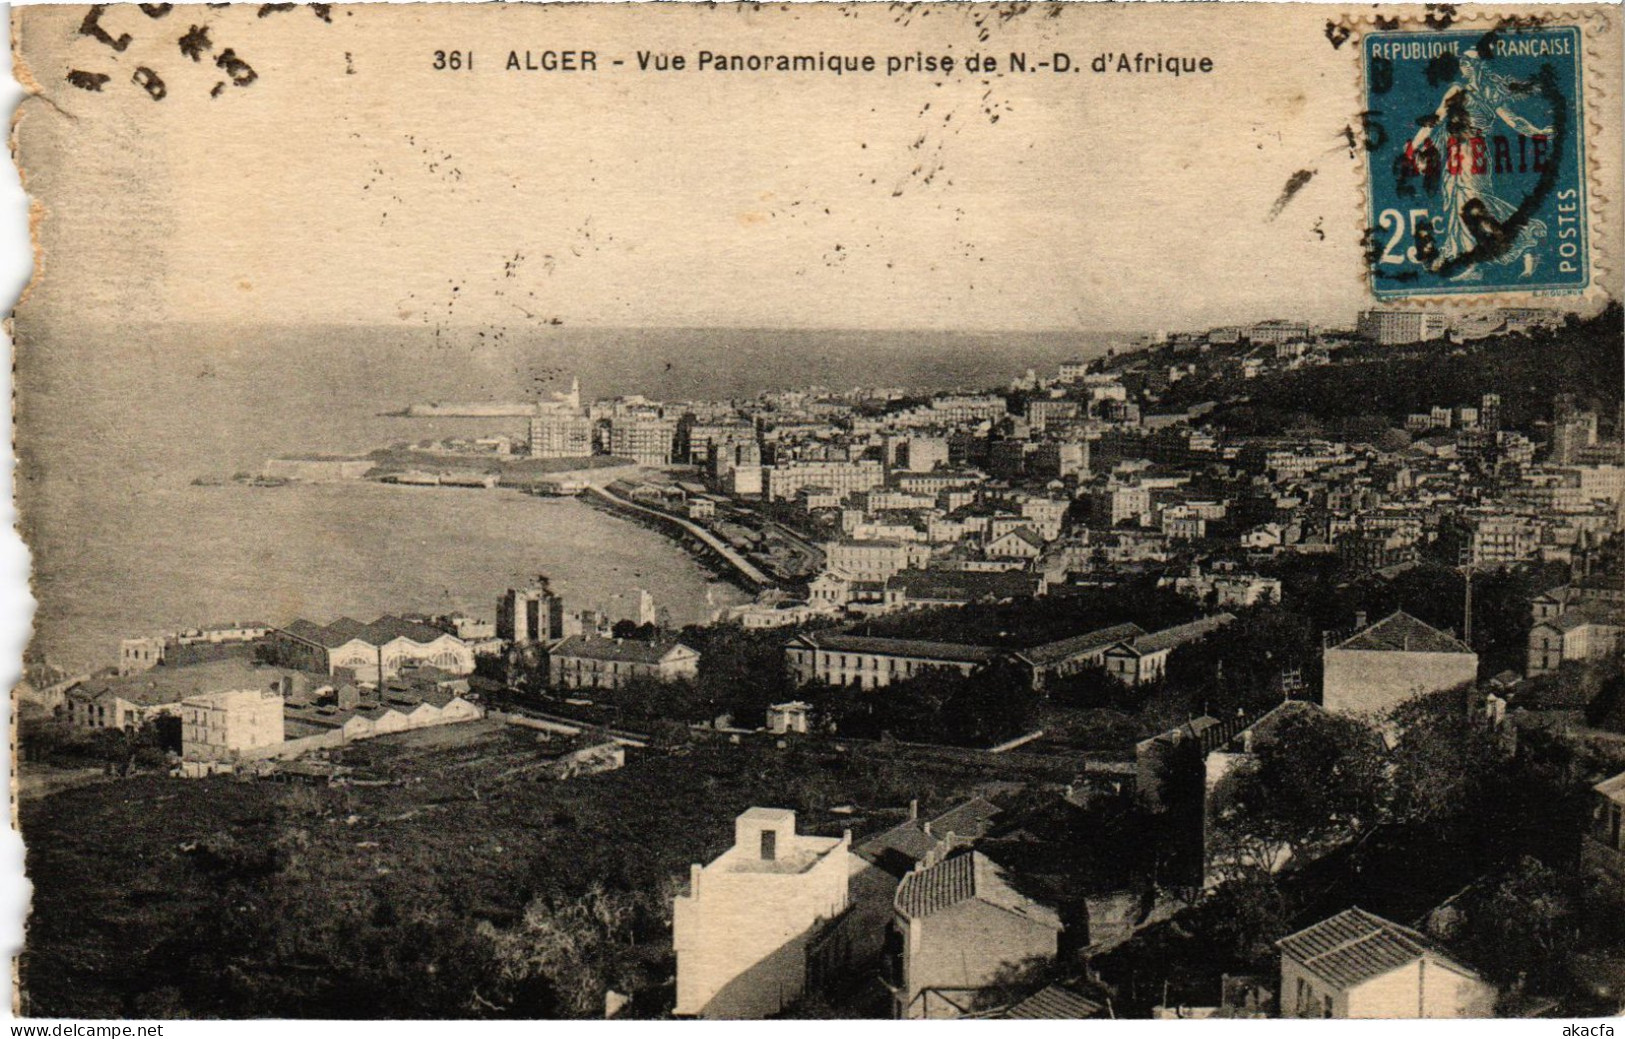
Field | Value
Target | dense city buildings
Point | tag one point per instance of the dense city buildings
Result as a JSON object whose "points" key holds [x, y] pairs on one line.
{"points": [[1095, 622]]}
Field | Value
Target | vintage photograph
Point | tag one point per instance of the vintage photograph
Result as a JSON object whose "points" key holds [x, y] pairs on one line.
{"points": [[879, 511]]}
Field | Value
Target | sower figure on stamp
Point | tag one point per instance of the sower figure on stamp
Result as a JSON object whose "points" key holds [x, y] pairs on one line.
{"points": [[1460, 136]]}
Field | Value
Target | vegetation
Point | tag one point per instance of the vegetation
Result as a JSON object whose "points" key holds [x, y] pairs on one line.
{"points": [[1450, 817], [49, 741], [1319, 781], [1019, 625], [939, 705], [1388, 383], [458, 888]]}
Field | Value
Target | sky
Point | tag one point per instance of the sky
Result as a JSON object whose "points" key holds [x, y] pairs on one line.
{"points": [[352, 182]]}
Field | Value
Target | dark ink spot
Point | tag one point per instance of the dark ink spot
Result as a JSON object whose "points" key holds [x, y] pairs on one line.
{"points": [[218, 88], [1382, 74], [266, 9], [92, 27], [1403, 172], [1457, 119], [323, 11], [1427, 250], [88, 80], [1337, 34], [241, 73], [196, 42], [1488, 232], [1443, 69], [1385, 24], [1294, 184], [1375, 135], [156, 10], [149, 81]]}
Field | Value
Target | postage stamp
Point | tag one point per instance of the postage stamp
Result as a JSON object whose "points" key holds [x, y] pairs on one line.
{"points": [[1476, 161]]}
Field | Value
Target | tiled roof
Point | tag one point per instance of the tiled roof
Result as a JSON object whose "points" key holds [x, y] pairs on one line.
{"points": [[972, 819], [347, 629], [907, 840], [1355, 946], [1078, 645], [1054, 1003], [624, 650], [917, 648], [1023, 533], [306, 630], [1402, 633], [166, 684], [965, 877], [1169, 638], [1587, 613], [387, 628], [1613, 788]]}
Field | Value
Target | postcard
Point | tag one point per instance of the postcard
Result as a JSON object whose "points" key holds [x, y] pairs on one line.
{"points": [[805, 511]]}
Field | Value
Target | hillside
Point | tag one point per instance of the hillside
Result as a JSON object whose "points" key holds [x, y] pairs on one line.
{"points": [[1386, 383]]}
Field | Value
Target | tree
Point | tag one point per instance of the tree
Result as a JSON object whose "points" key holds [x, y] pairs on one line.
{"points": [[992, 705], [1524, 925], [1319, 780], [1241, 920], [741, 672], [564, 954], [1445, 759]]}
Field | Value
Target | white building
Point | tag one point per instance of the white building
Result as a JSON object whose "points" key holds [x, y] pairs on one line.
{"points": [[960, 927], [742, 930], [1395, 327], [788, 717], [1358, 965], [373, 652], [220, 726], [1382, 665], [874, 560]]}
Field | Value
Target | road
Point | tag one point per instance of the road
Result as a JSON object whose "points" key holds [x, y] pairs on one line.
{"points": [[745, 567]]}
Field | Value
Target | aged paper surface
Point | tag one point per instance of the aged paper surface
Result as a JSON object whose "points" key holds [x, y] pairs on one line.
{"points": [[892, 511]]}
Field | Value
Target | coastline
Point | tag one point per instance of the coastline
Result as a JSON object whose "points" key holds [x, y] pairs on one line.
{"points": [[678, 530]]}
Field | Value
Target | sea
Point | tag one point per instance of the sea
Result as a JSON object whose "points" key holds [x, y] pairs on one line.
{"points": [[114, 428]]}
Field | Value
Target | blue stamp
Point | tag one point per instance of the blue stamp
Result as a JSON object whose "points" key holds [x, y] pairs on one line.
{"points": [[1475, 153]]}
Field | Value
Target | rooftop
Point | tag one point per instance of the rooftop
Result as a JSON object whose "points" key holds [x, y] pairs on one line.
{"points": [[624, 650], [972, 819], [1054, 1003], [963, 878], [1067, 648], [1613, 788], [1168, 638], [1355, 946], [899, 848], [347, 629], [165, 684], [916, 648], [1399, 632]]}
